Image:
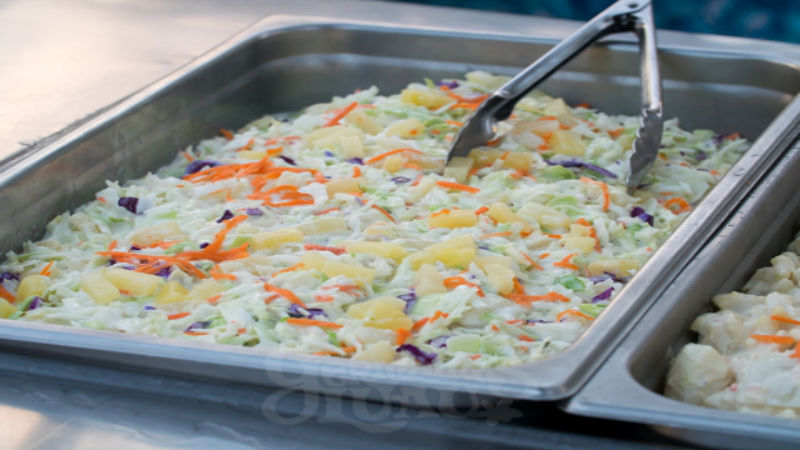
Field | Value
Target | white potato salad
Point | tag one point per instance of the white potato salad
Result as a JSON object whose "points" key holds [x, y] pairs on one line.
{"points": [[746, 358], [340, 232]]}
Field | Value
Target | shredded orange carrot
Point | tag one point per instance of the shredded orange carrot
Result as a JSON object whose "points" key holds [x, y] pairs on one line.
{"points": [[46, 269], [188, 157], [458, 186], [616, 133], [681, 203], [475, 356], [326, 211], [603, 187], [419, 324], [7, 295], [101, 199], [177, 316], [247, 146], [454, 123], [226, 133], [417, 180], [385, 213], [412, 166], [324, 248], [784, 319], [495, 327], [313, 323], [565, 263], [439, 315], [733, 136], [461, 99], [392, 152], [440, 212], [493, 142], [713, 172], [464, 105], [544, 255], [532, 262], [241, 331], [523, 299], [572, 312], [285, 293], [214, 299], [497, 234], [481, 210], [514, 321], [356, 171], [453, 282], [402, 336], [526, 338], [272, 297], [773, 339], [553, 236], [289, 269], [323, 298], [196, 333], [339, 115], [111, 245], [218, 274]]}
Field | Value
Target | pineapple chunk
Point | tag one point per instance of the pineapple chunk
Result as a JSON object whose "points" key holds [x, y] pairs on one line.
{"points": [[381, 312], [457, 252], [419, 258], [484, 157], [251, 154], [428, 280], [380, 351], [582, 244], [163, 231], [382, 249], [351, 146], [346, 185], [619, 267], [324, 225], [172, 292], [626, 141], [485, 79], [539, 127], [459, 168], [206, 289], [6, 309], [272, 239], [99, 288], [427, 98], [394, 163], [561, 111], [565, 142], [503, 214], [313, 260], [406, 129], [364, 122], [32, 285], [501, 277], [576, 229], [518, 160], [325, 137], [421, 190], [137, 283], [454, 219], [380, 229], [483, 261], [546, 216], [362, 275]]}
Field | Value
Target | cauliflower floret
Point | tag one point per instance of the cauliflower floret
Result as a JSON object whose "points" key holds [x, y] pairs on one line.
{"points": [[697, 372]]}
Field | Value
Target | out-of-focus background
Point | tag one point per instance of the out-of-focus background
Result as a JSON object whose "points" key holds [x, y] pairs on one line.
{"points": [[777, 20]]}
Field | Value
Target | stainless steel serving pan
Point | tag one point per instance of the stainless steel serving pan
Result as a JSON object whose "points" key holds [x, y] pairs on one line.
{"points": [[285, 63], [629, 384]]}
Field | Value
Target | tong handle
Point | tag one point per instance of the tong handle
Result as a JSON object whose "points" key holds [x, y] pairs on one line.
{"points": [[648, 61], [613, 19]]}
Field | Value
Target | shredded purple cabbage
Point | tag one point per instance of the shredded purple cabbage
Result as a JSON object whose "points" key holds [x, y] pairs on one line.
{"points": [[483, 247], [9, 276], [135, 248], [605, 276], [356, 160], [198, 165], [401, 180], [298, 312], [128, 203], [198, 325], [254, 212], [35, 303], [701, 156], [359, 201], [718, 139], [329, 153], [421, 357], [534, 321], [605, 295], [410, 298], [451, 84], [439, 341], [225, 216], [642, 215], [149, 308], [585, 165], [203, 245], [164, 272], [288, 160]]}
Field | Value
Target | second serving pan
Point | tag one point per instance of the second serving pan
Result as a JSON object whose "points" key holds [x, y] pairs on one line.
{"points": [[630, 383], [286, 63]]}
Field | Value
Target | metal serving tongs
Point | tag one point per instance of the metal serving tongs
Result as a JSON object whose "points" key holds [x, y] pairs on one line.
{"points": [[622, 16]]}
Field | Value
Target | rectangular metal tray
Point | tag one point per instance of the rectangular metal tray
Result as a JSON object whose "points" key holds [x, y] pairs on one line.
{"points": [[628, 386], [285, 63]]}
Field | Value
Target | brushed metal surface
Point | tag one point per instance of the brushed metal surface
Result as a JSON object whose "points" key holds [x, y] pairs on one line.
{"points": [[284, 63], [629, 384]]}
